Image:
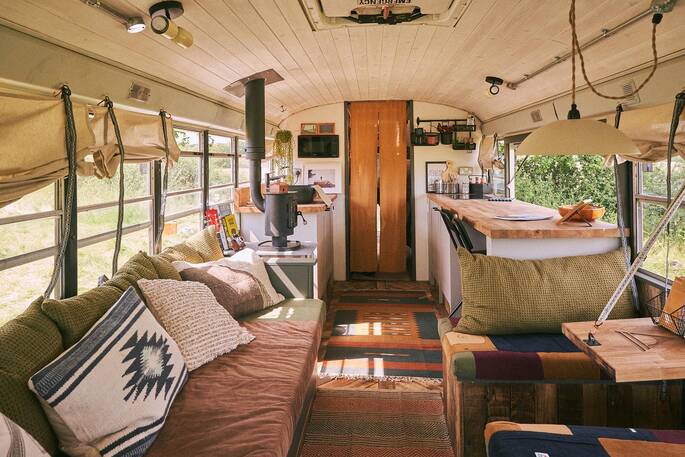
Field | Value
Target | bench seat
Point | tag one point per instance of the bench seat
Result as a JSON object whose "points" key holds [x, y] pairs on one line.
{"points": [[508, 439]]}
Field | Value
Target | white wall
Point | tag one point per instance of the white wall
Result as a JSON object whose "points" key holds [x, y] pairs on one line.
{"points": [[423, 154], [334, 112]]}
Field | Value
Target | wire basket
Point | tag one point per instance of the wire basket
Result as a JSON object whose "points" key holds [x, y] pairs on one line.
{"points": [[673, 321]]}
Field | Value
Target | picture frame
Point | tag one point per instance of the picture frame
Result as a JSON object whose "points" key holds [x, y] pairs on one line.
{"points": [[309, 128], [434, 170], [327, 175], [465, 170], [298, 173]]}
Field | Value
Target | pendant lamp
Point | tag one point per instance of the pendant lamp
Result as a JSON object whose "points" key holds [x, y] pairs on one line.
{"points": [[576, 136]]}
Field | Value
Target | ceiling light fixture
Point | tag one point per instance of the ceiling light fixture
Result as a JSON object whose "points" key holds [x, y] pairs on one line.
{"points": [[584, 136], [162, 23], [494, 82], [134, 24]]}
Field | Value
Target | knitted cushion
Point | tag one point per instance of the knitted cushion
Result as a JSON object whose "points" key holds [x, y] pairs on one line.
{"points": [[28, 343], [190, 313], [201, 247], [75, 315], [507, 296], [15, 442], [110, 393]]}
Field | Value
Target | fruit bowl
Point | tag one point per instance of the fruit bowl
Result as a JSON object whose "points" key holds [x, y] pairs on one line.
{"points": [[589, 213]]}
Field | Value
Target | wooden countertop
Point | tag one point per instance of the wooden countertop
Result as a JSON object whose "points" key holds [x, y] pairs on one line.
{"points": [[309, 208], [481, 215], [663, 358]]}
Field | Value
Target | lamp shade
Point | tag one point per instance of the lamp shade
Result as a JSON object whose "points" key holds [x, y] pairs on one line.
{"points": [[577, 137]]}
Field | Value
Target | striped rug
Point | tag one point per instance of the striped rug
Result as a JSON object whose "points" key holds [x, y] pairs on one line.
{"points": [[376, 424], [382, 335]]}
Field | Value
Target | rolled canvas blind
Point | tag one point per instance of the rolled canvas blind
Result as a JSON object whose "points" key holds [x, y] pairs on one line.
{"points": [[32, 149], [142, 135], [648, 128]]}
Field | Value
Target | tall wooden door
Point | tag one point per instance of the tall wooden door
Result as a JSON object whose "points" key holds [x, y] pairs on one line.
{"points": [[363, 181], [393, 187], [378, 177]]}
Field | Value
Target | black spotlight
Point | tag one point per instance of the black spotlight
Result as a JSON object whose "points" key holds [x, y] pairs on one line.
{"points": [[494, 82]]}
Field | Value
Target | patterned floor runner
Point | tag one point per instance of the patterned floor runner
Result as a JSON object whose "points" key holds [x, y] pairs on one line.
{"points": [[377, 423], [382, 335]]}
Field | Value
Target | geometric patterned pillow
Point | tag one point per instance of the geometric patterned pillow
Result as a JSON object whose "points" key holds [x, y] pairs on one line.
{"points": [[109, 394], [15, 442]]}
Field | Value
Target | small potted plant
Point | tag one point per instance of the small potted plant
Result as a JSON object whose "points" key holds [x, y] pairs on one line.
{"points": [[445, 133], [282, 160]]}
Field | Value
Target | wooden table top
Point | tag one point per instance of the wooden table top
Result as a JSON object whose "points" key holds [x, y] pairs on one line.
{"points": [[663, 359], [308, 208], [481, 215]]}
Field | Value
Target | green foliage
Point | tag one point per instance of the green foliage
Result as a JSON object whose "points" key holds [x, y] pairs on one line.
{"points": [[553, 181], [283, 154]]}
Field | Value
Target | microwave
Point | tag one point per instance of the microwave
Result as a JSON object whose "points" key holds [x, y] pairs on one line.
{"points": [[317, 146]]}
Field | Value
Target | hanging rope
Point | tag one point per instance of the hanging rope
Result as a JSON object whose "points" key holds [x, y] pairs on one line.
{"points": [[619, 215], [575, 45], [70, 135], [165, 184], [120, 215]]}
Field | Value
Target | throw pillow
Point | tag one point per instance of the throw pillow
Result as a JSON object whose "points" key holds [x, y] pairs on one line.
{"points": [[15, 442], [237, 291], [110, 393], [507, 296], [187, 310], [248, 261], [202, 247]]}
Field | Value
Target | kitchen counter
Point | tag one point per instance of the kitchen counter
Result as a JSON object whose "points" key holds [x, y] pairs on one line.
{"points": [[308, 208], [480, 214]]}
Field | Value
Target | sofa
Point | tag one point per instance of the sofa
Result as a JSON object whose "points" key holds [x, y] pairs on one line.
{"points": [[251, 401]]}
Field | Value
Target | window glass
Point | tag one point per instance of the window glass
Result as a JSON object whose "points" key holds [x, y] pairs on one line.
{"points": [[187, 140], [217, 196], [185, 202], [92, 190], [186, 174], [553, 181], [220, 144], [23, 284], [103, 220], [23, 237], [36, 202], [654, 176], [178, 230], [96, 259], [220, 170], [242, 145], [656, 261]]}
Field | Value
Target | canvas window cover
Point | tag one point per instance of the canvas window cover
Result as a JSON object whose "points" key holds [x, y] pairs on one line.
{"points": [[34, 152]]}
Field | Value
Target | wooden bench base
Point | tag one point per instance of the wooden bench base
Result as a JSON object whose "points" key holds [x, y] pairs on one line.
{"points": [[469, 406]]}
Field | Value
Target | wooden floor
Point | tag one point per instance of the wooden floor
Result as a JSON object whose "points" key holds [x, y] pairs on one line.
{"points": [[341, 287]]}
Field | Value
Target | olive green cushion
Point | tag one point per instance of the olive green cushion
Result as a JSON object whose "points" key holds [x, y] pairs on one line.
{"points": [[507, 296], [199, 248], [74, 316], [27, 343]]}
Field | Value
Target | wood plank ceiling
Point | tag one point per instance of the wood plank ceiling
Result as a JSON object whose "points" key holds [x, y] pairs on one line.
{"points": [[235, 38]]}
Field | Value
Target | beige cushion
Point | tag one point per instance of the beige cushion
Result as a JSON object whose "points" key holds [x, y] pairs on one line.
{"points": [[202, 247], [506, 296], [237, 291], [201, 327]]}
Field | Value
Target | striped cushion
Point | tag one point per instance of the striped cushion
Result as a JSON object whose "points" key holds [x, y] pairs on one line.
{"points": [[15, 442], [111, 391]]}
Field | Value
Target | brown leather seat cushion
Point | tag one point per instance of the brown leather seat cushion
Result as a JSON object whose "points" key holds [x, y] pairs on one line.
{"points": [[248, 402]]}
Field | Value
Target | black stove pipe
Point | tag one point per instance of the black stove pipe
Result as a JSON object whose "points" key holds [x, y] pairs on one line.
{"points": [[255, 151]]}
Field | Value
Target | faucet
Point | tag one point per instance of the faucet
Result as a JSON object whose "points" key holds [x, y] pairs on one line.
{"points": [[270, 178]]}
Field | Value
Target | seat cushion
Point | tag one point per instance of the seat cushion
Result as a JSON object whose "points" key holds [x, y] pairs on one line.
{"points": [[508, 439], [248, 402], [76, 315], [504, 296], [292, 309], [28, 342], [13, 438], [534, 357]]}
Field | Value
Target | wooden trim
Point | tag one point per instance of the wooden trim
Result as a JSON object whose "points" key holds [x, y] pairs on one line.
{"points": [[30, 217]]}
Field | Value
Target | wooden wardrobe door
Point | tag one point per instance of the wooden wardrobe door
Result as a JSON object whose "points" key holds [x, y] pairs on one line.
{"points": [[393, 187], [363, 193]]}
